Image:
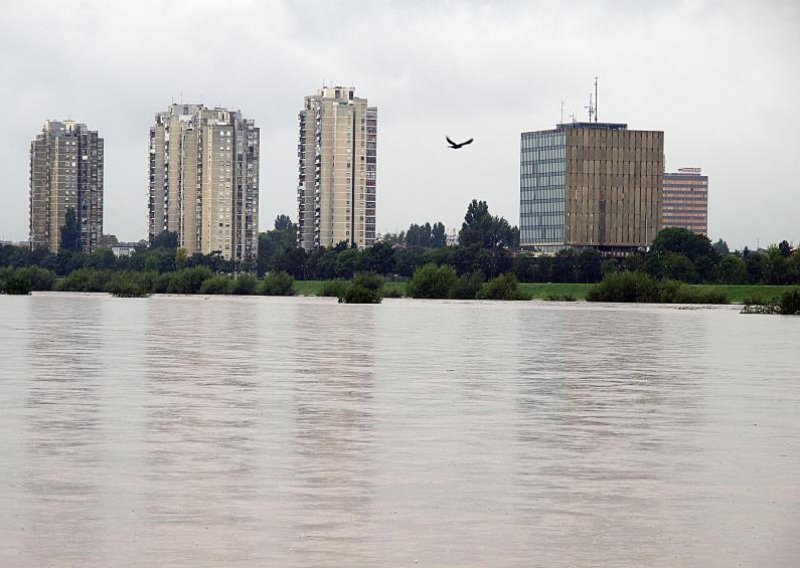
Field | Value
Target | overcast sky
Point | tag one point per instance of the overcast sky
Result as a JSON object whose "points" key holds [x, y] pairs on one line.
{"points": [[720, 79]]}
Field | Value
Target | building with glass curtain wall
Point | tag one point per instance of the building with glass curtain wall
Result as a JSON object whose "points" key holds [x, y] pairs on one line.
{"points": [[590, 185]]}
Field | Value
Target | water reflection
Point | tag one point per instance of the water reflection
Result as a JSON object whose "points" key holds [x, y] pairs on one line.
{"points": [[333, 435]]}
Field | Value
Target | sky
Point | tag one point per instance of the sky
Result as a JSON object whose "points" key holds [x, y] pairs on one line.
{"points": [[719, 78]]}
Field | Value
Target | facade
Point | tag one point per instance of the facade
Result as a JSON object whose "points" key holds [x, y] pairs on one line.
{"points": [[337, 154], [66, 172], [591, 184], [204, 180], [685, 202]]}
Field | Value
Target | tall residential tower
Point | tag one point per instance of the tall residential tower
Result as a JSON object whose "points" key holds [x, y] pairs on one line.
{"points": [[66, 172], [204, 180], [337, 154], [590, 184], [686, 200]]}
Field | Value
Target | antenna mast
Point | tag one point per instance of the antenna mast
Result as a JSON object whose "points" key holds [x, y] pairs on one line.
{"points": [[595, 98], [562, 111], [590, 108]]}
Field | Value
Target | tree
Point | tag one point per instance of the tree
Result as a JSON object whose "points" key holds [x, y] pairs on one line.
{"points": [[682, 241], [785, 249], [438, 235], [721, 247], [679, 267], [283, 222], [732, 270], [70, 232], [165, 240], [487, 231]]}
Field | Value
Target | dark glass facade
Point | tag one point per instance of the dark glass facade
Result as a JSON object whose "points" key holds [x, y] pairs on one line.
{"points": [[542, 189]]}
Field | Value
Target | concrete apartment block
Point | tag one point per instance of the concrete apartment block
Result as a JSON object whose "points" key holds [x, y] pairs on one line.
{"points": [[337, 155], [685, 202], [66, 172]]}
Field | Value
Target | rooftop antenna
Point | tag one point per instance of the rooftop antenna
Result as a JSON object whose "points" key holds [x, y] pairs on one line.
{"points": [[562, 112], [590, 108], [595, 98], [572, 118]]}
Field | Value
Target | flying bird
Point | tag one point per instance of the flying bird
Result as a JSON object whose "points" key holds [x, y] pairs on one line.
{"points": [[455, 146]]}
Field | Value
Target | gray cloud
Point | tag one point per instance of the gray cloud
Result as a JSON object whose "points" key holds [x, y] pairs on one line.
{"points": [[719, 78]]}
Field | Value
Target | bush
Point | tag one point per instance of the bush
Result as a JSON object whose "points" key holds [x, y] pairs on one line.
{"points": [[504, 287], [277, 284], [431, 281], [467, 286], [391, 292], [216, 285], [128, 285], [368, 280], [15, 283], [554, 297], [625, 286], [360, 295], [789, 302], [163, 283], [188, 280], [40, 279], [334, 288], [85, 280], [244, 285]]}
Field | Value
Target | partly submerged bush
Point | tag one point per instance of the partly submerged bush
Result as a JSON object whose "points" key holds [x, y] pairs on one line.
{"points": [[277, 284], [503, 287], [188, 280], [625, 286], [85, 280], [334, 288], [555, 297], [368, 280], [244, 285], [131, 284], [360, 295], [467, 286], [15, 283], [789, 302], [40, 279], [675, 292], [431, 281], [391, 292], [216, 285]]}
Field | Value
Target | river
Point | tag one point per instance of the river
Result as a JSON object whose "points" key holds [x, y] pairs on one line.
{"points": [[262, 431]]}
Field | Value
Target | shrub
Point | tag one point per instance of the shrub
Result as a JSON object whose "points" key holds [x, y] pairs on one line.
{"points": [[554, 297], [503, 287], [789, 302], [244, 285], [40, 279], [334, 288], [163, 283], [391, 292], [188, 280], [216, 285], [368, 280], [467, 286], [277, 284], [15, 283], [85, 280], [131, 284], [625, 286], [431, 281], [360, 295]]}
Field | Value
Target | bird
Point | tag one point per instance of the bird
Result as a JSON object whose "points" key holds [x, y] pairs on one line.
{"points": [[455, 146]]}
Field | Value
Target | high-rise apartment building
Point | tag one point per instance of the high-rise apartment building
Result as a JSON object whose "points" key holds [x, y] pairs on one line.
{"points": [[590, 184], [66, 172], [204, 180], [337, 154], [685, 202]]}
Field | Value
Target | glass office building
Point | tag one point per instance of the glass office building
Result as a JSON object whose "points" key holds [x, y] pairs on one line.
{"points": [[590, 185]]}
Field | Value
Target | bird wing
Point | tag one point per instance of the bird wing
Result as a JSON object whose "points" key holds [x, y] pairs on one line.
{"points": [[450, 141], [467, 142]]}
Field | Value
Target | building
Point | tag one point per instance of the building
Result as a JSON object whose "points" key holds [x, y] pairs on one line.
{"points": [[66, 172], [590, 184], [685, 202], [337, 154], [204, 180]]}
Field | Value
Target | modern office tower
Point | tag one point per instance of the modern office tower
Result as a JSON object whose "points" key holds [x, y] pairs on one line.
{"points": [[590, 184], [204, 180], [66, 173], [337, 154], [685, 202]]}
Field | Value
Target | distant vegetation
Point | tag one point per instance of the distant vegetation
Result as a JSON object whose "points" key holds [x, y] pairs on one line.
{"points": [[417, 262]]}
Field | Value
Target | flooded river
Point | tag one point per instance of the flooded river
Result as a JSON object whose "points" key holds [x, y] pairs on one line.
{"points": [[299, 432]]}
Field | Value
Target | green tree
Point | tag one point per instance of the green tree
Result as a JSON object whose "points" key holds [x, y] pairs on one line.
{"points": [[732, 270], [487, 231], [721, 247], [681, 241], [164, 240], [70, 232], [679, 267], [431, 281], [438, 235], [785, 249], [283, 223]]}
